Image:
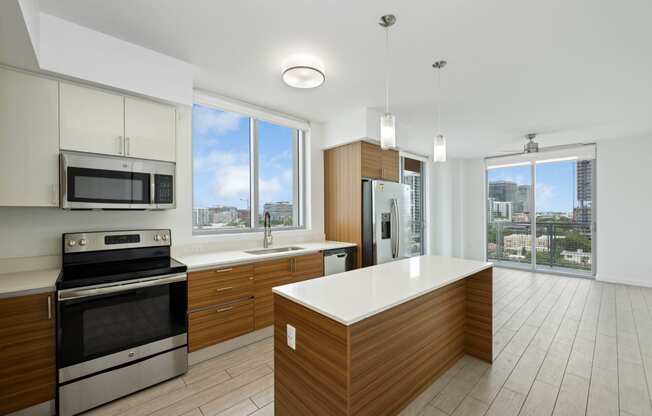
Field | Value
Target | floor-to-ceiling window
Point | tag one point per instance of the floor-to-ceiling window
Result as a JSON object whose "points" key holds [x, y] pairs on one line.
{"points": [[540, 211], [412, 174]]}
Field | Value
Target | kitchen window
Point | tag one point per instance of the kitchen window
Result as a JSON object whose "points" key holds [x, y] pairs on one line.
{"points": [[244, 166]]}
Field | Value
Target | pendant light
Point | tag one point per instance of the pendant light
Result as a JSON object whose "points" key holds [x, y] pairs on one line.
{"points": [[439, 150], [387, 120]]}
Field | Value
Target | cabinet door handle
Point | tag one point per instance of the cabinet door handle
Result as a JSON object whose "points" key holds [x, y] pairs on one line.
{"points": [[222, 289], [127, 146], [223, 309], [121, 145], [49, 307], [55, 195], [223, 270]]}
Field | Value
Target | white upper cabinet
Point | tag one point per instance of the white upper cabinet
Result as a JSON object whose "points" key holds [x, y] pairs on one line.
{"points": [[29, 140], [91, 120], [149, 130], [103, 122]]}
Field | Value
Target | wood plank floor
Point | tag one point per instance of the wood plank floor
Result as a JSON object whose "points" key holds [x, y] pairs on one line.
{"points": [[562, 346]]}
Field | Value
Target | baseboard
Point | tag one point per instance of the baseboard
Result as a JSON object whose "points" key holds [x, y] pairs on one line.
{"points": [[41, 409], [230, 345], [630, 282]]}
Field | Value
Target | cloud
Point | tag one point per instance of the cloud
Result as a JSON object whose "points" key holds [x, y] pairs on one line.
{"points": [[210, 120], [277, 188], [232, 182], [545, 194]]}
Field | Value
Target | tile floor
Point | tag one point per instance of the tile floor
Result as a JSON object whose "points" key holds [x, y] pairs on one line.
{"points": [[562, 346]]}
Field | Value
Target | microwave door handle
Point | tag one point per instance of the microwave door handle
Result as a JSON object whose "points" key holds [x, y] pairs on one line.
{"points": [[152, 189]]}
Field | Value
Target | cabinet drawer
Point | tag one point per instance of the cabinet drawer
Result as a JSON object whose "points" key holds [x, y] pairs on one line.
{"points": [[216, 286], [308, 266], [210, 326]]}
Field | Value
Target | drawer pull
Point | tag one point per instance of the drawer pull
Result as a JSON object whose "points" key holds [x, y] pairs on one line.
{"points": [[223, 270], [223, 309], [222, 289]]}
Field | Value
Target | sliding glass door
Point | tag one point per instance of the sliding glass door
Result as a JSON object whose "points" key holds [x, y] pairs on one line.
{"points": [[509, 227], [540, 214]]}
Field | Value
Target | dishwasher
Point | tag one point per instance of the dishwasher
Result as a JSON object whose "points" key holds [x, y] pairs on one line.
{"points": [[338, 260]]}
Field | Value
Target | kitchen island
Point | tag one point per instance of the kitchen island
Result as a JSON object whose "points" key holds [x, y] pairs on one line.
{"points": [[369, 341]]}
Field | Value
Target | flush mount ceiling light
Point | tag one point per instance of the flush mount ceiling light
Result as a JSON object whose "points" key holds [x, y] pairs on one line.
{"points": [[303, 71], [387, 121], [439, 145]]}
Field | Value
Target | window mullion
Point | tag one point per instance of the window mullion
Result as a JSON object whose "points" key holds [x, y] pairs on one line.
{"points": [[253, 160]]}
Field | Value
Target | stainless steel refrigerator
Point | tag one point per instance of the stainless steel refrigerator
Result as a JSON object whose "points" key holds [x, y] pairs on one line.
{"points": [[386, 221]]}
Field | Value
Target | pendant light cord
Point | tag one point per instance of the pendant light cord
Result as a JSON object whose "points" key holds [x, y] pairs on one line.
{"points": [[387, 70], [439, 100]]}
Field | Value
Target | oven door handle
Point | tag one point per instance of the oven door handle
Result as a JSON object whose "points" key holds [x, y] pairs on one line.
{"points": [[70, 294]]}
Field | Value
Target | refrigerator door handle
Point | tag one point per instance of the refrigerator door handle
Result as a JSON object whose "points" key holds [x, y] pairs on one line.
{"points": [[396, 227]]}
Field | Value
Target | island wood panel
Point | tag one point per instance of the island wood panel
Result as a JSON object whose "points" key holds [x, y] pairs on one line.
{"points": [[313, 379], [213, 287], [268, 274], [398, 353], [479, 312], [217, 324], [27, 351], [387, 359], [343, 195]]}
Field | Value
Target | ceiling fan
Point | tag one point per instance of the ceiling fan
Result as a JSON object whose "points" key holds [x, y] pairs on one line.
{"points": [[529, 147]]}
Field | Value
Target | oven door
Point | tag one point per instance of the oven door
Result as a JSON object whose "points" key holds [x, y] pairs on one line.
{"points": [[94, 181], [100, 327]]}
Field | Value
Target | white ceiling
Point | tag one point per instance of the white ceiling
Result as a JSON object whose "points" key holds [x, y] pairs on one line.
{"points": [[578, 70]]}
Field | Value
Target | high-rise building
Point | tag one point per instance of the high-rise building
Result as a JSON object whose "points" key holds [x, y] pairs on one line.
{"points": [[582, 212], [201, 217], [522, 199], [279, 211], [499, 211], [503, 190]]}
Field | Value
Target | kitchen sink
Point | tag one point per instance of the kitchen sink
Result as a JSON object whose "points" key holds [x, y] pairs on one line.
{"points": [[273, 250]]}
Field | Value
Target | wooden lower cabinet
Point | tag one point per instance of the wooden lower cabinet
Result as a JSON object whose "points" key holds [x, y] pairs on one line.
{"points": [[213, 325], [27, 351], [230, 301], [268, 274], [308, 266]]}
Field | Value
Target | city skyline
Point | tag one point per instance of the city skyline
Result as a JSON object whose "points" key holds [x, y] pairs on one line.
{"points": [[556, 183]]}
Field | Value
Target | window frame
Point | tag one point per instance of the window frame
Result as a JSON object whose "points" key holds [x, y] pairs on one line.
{"points": [[301, 129]]}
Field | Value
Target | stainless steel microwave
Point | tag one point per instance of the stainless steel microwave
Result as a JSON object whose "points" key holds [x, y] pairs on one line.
{"points": [[92, 181]]}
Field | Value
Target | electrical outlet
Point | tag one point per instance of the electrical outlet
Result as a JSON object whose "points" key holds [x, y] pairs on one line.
{"points": [[292, 337]]}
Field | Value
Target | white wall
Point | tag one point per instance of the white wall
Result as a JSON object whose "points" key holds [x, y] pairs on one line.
{"points": [[28, 232], [624, 206], [76, 51], [456, 195]]}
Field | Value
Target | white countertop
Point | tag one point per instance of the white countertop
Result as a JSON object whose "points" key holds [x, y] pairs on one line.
{"points": [[352, 296], [28, 283], [207, 260]]}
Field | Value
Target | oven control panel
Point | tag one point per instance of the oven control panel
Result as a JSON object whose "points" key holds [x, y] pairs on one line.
{"points": [[115, 240]]}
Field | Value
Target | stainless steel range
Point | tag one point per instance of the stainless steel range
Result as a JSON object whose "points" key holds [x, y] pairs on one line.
{"points": [[121, 321]]}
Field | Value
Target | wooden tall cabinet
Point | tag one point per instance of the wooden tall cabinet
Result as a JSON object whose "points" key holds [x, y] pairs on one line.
{"points": [[344, 168], [27, 351]]}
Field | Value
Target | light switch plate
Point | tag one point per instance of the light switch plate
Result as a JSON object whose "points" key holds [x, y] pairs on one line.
{"points": [[291, 337]]}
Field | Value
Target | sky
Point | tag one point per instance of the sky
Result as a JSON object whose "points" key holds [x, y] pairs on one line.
{"points": [[555, 191], [221, 159]]}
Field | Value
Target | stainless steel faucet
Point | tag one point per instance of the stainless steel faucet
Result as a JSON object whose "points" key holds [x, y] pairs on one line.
{"points": [[267, 236]]}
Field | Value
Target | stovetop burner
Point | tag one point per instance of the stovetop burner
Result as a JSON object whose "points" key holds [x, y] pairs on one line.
{"points": [[106, 257]]}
